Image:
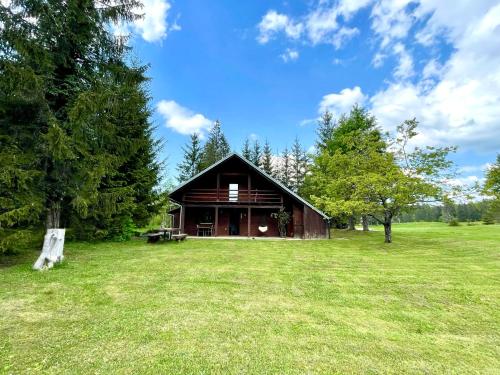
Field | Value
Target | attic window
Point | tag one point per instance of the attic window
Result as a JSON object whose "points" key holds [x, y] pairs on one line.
{"points": [[233, 192]]}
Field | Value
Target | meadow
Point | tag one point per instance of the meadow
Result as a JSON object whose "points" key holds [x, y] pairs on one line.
{"points": [[427, 303]]}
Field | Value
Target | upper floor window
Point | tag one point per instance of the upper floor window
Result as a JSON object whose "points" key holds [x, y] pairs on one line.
{"points": [[233, 192]]}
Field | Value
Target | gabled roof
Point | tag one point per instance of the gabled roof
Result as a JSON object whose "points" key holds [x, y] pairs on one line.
{"points": [[258, 170]]}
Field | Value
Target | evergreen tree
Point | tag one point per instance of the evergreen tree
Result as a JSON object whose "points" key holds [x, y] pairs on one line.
{"points": [[267, 159], [284, 168], [190, 165], [216, 147], [298, 165], [256, 154], [90, 153], [326, 127], [246, 152]]}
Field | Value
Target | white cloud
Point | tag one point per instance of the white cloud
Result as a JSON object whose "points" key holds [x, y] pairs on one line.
{"points": [[273, 23], [289, 55], [463, 106], [342, 102], [153, 26], [182, 120], [391, 20], [404, 69], [319, 26], [432, 69]]}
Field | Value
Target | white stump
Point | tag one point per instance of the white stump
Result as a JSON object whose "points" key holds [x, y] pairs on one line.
{"points": [[52, 251]]}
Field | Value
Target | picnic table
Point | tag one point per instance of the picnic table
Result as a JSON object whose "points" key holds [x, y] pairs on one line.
{"points": [[168, 232]]}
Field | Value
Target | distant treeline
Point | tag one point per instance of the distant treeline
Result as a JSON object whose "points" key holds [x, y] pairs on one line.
{"points": [[472, 211]]}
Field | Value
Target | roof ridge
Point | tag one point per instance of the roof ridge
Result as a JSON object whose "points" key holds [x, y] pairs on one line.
{"points": [[259, 170]]}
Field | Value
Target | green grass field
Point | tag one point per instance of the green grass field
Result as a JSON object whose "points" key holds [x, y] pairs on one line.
{"points": [[428, 303]]}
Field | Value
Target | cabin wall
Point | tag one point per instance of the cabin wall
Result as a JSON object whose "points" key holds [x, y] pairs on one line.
{"points": [[298, 221], [314, 224]]}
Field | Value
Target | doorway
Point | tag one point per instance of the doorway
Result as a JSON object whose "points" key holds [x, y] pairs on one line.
{"points": [[234, 222]]}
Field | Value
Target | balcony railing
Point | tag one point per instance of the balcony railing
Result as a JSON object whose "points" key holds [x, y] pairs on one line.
{"points": [[225, 195]]}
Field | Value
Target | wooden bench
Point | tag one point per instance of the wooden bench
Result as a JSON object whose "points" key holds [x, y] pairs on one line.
{"points": [[179, 237], [153, 237]]}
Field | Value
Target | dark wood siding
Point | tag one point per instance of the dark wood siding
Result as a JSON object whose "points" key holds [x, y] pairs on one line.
{"points": [[314, 224]]}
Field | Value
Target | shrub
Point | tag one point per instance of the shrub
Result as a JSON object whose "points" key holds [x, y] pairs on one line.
{"points": [[453, 223], [488, 218]]}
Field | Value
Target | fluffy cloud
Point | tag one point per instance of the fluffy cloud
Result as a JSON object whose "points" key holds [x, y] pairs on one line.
{"points": [[404, 69], [319, 26], [273, 23], [153, 26], [457, 101], [391, 20], [463, 105], [289, 55], [343, 101], [182, 120]]}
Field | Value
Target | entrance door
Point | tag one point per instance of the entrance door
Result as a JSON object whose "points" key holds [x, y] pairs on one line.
{"points": [[234, 222]]}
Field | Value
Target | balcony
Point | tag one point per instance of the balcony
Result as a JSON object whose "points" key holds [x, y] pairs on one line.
{"points": [[243, 196]]}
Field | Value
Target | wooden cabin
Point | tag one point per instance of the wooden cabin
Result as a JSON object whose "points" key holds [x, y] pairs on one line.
{"points": [[233, 197]]}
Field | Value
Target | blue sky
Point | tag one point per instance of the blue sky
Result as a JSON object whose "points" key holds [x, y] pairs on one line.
{"points": [[266, 69]]}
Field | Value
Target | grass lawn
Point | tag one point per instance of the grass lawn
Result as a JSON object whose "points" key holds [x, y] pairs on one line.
{"points": [[428, 303]]}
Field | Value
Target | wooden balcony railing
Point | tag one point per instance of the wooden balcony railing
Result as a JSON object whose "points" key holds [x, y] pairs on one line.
{"points": [[225, 195]]}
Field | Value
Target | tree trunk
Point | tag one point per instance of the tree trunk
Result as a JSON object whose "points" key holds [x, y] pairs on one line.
{"points": [[53, 216], [388, 227], [53, 244], [352, 223], [52, 251], [364, 220]]}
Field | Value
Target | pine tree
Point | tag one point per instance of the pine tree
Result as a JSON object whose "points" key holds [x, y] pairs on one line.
{"points": [[326, 127], [216, 147], [90, 153], [190, 165], [246, 152], [256, 154], [298, 165], [284, 168], [267, 159]]}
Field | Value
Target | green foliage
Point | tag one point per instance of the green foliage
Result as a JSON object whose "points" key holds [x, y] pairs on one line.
{"points": [[284, 172], [299, 161], [283, 217], [491, 188], [256, 153], [492, 183], [453, 223], [267, 159], [325, 131], [362, 173], [246, 152], [216, 147], [190, 165], [74, 119]]}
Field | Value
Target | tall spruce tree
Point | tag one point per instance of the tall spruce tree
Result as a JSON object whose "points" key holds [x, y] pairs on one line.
{"points": [[91, 153], [246, 152], [298, 165], [284, 168], [256, 154], [267, 159], [190, 165], [326, 127], [216, 147]]}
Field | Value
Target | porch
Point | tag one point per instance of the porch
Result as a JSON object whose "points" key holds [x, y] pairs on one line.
{"points": [[233, 221]]}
